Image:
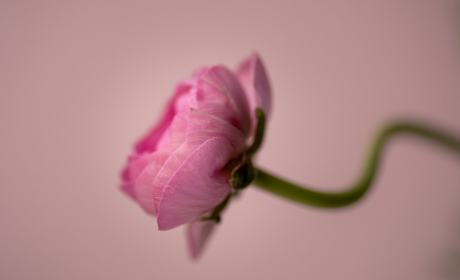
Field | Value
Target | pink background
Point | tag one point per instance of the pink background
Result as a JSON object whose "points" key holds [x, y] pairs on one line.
{"points": [[81, 80]]}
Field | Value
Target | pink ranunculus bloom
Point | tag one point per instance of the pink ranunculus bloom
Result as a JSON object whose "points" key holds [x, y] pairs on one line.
{"points": [[179, 171]]}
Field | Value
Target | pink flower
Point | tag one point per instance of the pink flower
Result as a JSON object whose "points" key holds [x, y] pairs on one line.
{"points": [[180, 171]]}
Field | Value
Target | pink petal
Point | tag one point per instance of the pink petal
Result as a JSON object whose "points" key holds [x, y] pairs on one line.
{"points": [[164, 141], [171, 165], [201, 127], [197, 234], [149, 142], [197, 186], [134, 167], [178, 129], [143, 188], [174, 135], [254, 79], [226, 82], [220, 110], [206, 97]]}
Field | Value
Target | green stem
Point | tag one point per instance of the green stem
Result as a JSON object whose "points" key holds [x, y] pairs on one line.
{"points": [[354, 193]]}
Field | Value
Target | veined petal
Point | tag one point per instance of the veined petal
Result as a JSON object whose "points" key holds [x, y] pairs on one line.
{"points": [[143, 188], [178, 128], [174, 135], [203, 126], [254, 79], [197, 186], [226, 82], [206, 97], [134, 167], [170, 167], [197, 234]]}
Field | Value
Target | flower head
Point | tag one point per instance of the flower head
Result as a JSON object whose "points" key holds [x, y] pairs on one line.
{"points": [[181, 171]]}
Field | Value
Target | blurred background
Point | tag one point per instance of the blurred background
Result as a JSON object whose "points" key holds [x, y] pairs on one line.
{"points": [[81, 80]]}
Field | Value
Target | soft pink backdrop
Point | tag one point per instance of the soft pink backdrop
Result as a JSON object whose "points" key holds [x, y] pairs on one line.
{"points": [[81, 80]]}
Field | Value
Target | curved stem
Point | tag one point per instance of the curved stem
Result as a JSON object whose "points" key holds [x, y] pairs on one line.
{"points": [[352, 194]]}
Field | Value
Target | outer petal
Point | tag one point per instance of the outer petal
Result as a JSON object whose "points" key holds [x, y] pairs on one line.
{"points": [[209, 99], [197, 234], [201, 127], [149, 142], [134, 167], [254, 80], [226, 82], [143, 188], [197, 186], [170, 167]]}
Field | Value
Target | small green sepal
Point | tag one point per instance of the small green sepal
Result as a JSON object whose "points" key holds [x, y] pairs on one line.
{"points": [[243, 175], [259, 133]]}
